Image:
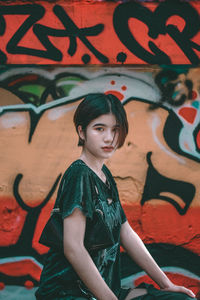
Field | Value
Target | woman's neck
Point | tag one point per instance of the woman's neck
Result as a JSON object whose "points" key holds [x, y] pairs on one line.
{"points": [[93, 163]]}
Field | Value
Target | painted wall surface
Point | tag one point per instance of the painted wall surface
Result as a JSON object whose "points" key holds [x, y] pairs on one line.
{"points": [[157, 170], [43, 46], [93, 32]]}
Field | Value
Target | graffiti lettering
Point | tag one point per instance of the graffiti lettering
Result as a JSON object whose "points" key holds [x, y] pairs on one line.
{"points": [[74, 32], [36, 12], [37, 38], [125, 11]]}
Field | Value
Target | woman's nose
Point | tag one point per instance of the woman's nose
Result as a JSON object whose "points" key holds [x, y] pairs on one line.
{"points": [[108, 137]]}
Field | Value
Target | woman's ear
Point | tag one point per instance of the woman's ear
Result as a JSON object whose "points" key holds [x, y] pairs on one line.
{"points": [[81, 133]]}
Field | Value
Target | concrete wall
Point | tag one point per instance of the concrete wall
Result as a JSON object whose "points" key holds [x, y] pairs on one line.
{"points": [[157, 171]]}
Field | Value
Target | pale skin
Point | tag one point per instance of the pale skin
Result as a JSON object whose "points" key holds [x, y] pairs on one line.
{"points": [[100, 142]]}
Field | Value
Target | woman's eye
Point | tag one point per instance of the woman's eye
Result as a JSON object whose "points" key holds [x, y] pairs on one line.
{"points": [[99, 128], [116, 129]]}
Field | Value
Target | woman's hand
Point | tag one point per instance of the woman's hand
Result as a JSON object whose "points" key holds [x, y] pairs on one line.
{"points": [[179, 289], [139, 253]]}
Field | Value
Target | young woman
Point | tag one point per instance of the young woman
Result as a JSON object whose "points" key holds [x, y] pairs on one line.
{"points": [[87, 187]]}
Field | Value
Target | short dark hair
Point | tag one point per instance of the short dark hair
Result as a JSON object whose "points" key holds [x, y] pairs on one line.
{"points": [[95, 105]]}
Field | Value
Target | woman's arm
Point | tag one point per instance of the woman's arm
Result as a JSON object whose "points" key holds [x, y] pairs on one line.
{"points": [[139, 253], [78, 256]]}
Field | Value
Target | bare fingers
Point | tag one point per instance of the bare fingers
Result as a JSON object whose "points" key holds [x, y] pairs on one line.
{"points": [[180, 289]]}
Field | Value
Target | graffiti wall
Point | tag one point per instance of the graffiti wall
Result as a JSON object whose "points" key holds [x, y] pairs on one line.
{"points": [[52, 54], [157, 170], [95, 32]]}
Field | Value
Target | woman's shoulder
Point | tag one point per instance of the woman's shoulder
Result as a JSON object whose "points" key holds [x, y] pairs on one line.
{"points": [[108, 173], [77, 168], [76, 172]]}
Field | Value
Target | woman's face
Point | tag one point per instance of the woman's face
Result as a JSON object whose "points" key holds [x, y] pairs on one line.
{"points": [[101, 136]]}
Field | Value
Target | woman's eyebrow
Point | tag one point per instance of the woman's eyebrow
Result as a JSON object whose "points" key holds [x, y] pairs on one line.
{"points": [[99, 124]]}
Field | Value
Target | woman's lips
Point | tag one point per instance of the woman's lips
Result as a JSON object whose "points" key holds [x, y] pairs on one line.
{"points": [[108, 149]]}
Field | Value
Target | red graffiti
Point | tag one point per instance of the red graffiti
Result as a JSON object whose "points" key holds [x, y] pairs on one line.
{"points": [[198, 139], [188, 114], [119, 95], [12, 218], [169, 232], [194, 95], [178, 279], [21, 268]]}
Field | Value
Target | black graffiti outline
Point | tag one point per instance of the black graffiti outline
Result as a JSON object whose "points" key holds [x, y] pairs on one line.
{"points": [[173, 124], [23, 245], [125, 11], [3, 57], [35, 12], [195, 133], [80, 33], [156, 183], [178, 258], [35, 113], [34, 117], [30, 222]]}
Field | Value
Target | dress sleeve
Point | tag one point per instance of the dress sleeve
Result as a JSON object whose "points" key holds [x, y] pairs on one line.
{"points": [[123, 216], [76, 192]]}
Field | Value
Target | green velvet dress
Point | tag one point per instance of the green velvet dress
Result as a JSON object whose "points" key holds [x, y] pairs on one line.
{"points": [[58, 279]]}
